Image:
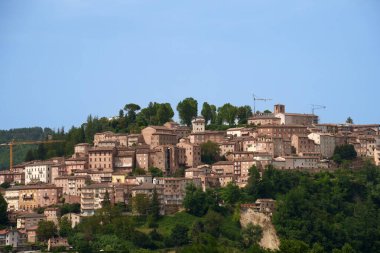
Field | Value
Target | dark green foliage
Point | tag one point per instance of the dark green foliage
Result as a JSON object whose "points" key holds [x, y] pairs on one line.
{"points": [[154, 208], [5, 185], [178, 236], [46, 230], [230, 194], [65, 227], [210, 152], [332, 209], [344, 152], [3, 211], [156, 172], [349, 120], [141, 204], [251, 235], [243, 113], [70, 208], [187, 110], [195, 201], [227, 114]]}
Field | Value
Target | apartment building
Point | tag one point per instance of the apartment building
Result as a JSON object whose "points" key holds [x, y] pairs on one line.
{"points": [[29, 220], [33, 196], [326, 143], [282, 131], [223, 168], [302, 144], [159, 135], [93, 195], [202, 137], [101, 158], [263, 119], [192, 154], [294, 118], [12, 237], [71, 185], [39, 172]]}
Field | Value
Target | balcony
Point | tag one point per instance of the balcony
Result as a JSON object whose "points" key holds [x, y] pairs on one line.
{"points": [[27, 197]]}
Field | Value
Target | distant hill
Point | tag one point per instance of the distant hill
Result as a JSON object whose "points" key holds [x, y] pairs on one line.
{"points": [[19, 151]]}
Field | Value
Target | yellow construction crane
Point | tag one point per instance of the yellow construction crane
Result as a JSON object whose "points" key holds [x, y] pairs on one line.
{"points": [[13, 142]]}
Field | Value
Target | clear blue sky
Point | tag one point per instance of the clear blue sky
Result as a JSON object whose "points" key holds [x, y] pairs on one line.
{"points": [[63, 60]]}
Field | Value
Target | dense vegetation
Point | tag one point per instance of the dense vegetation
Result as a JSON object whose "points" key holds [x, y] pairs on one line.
{"points": [[322, 212], [20, 151]]}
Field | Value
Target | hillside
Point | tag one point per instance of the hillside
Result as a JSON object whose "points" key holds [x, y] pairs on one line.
{"points": [[20, 134]]}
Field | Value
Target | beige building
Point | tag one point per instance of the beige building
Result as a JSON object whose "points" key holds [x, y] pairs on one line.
{"points": [[223, 168], [202, 137], [158, 135], [12, 196], [264, 119], [294, 118], [302, 144], [33, 196], [71, 185], [228, 147], [166, 158], [124, 160], [192, 152], [282, 131], [78, 163], [52, 214], [326, 143], [92, 197], [143, 158], [198, 125], [73, 218], [29, 220], [101, 158]]}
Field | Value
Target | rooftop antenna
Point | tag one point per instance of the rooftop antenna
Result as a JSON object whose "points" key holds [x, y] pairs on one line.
{"points": [[255, 98]]}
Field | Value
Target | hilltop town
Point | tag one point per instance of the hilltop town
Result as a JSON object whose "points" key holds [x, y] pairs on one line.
{"points": [[163, 160]]}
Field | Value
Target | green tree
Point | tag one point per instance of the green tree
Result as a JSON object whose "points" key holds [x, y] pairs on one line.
{"points": [[187, 110], [243, 113], [207, 112], [3, 211], [230, 194], [251, 235], [46, 230], [106, 200], [227, 113], [212, 222], [131, 112], [349, 120], [344, 152], [293, 246], [210, 152], [154, 208], [179, 235], [140, 204], [195, 201], [65, 227], [156, 172]]}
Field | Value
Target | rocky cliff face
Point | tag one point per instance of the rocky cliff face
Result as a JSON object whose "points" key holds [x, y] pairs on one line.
{"points": [[270, 239]]}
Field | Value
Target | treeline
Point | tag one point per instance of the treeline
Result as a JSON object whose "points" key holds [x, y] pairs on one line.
{"points": [[132, 118], [20, 151]]}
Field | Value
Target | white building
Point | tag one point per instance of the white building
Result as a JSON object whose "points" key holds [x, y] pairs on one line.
{"points": [[199, 124], [38, 172]]}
